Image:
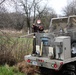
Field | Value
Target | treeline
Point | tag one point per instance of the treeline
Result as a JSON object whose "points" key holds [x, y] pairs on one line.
{"points": [[26, 12], [18, 21], [12, 21]]}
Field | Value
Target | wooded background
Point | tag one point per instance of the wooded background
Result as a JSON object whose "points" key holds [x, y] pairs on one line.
{"points": [[26, 12]]}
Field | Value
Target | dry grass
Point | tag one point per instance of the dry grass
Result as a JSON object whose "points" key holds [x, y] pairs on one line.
{"points": [[25, 68], [13, 50]]}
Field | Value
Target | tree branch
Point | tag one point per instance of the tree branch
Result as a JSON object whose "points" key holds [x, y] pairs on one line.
{"points": [[2, 2]]}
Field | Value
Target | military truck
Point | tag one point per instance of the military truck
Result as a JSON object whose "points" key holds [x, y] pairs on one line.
{"points": [[55, 51]]}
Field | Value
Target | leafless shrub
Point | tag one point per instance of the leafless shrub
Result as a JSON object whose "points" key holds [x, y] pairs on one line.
{"points": [[13, 49]]}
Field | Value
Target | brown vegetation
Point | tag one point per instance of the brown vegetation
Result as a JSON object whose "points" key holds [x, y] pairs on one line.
{"points": [[13, 49], [25, 68]]}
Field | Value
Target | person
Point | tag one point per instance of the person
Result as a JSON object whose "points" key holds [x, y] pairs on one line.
{"points": [[34, 28], [38, 27]]}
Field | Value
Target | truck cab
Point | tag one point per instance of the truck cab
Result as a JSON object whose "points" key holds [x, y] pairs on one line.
{"points": [[57, 48]]}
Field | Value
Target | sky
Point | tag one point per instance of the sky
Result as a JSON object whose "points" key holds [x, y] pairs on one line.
{"points": [[58, 5]]}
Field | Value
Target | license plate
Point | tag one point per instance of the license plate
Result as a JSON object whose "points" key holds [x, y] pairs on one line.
{"points": [[34, 63]]}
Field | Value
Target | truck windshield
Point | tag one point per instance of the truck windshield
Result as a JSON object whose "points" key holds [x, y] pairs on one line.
{"points": [[58, 23]]}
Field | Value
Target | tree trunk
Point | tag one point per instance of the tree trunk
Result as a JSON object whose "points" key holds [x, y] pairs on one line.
{"points": [[28, 31]]}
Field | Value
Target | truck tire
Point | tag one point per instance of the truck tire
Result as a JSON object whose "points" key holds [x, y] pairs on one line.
{"points": [[29, 74], [73, 48], [46, 71], [69, 69], [43, 71]]}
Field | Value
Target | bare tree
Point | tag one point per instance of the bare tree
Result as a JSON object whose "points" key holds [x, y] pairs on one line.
{"points": [[46, 16], [30, 8], [70, 9], [12, 21], [37, 10], [1, 1], [2, 8]]}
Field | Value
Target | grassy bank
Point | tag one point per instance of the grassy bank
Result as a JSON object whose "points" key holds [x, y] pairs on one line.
{"points": [[6, 70], [13, 49]]}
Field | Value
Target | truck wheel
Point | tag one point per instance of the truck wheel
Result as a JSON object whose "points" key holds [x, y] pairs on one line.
{"points": [[69, 69], [73, 48], [42, 71], [68, 72], [45, 71], [29, 74]]}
